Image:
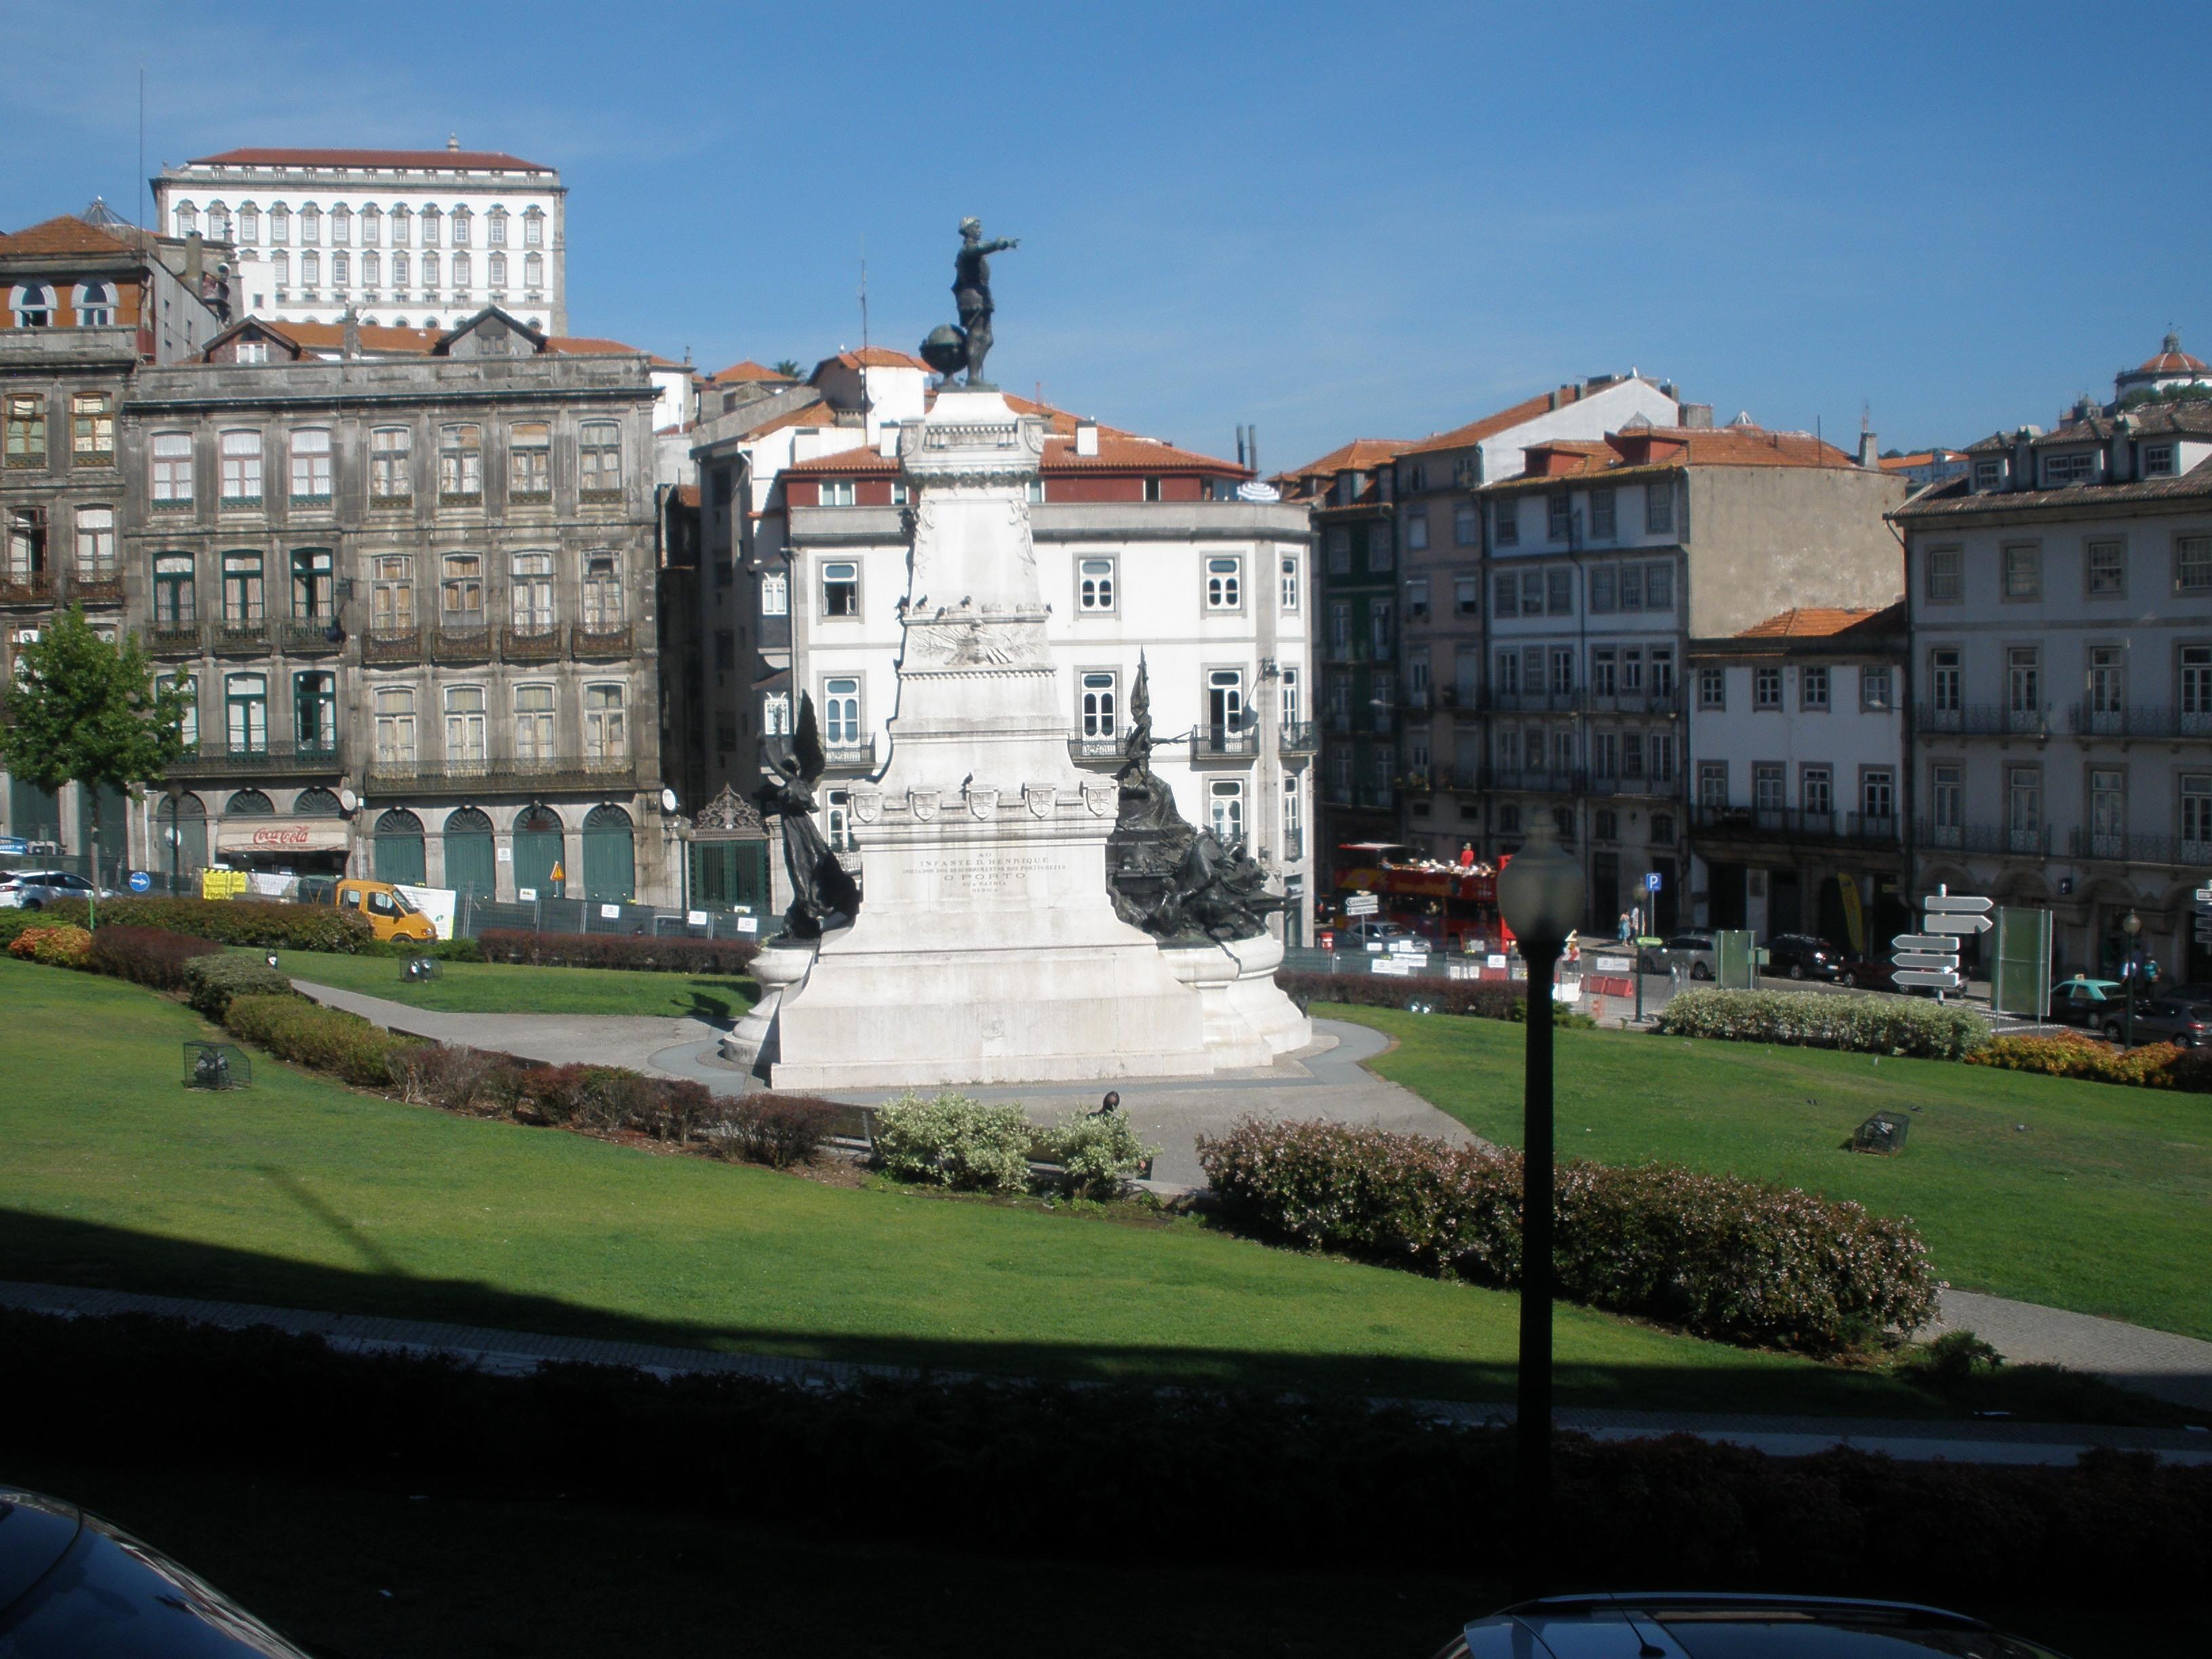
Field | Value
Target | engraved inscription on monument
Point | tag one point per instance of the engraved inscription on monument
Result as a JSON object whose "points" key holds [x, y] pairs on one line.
{"points": [[983, 873]]}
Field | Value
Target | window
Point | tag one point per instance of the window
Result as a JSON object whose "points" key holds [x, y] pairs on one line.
{"points": [[96, 306], [1339, 628], [371, 272], [775, 714], [1659, 507], [534, 227], [2196, 688], [1339, 551], [2023, 571], [2108, 688], [241, 587], [2023, 682], [461, 464], [1604, 590], [600, 448], [2024, 808], [1877, 795], [1381, 550], [2108, 812], [1558, 516], [246, 712], [530, 590], [311, 270], [1631, 670], [1287, 595], [2192, 564], [403, 225], [1380, 622], [1094, 584], [841, 713], [249, 223], [1662, 670], [2107, 563], [1768, 784], [188, 727], [1466, 596], [463, 220], [1605, 755], [188, 219], [1659, 586], [1226, 807], [1559, 591], [460, 591], [1289, 705], [1224, 706], [533, 723], [315, 712], [279, 224], [280, 265], [1509, 521], [1097, 710], [92, 428], [1662, 757], [1712, 687], [837, 492], [311, 587], [431, 221], [252, 351], [1416, 597], [95, 544], [1417, 531], [1505, 599], [1945, 680], [1532, 593], [311, 225], [391, 593], [430, 275], [602, 594], [395, 726], [27, 546], [1224, 583], [1035, 491], [390, 482], [1712, 784], [533, 271], [1947, 803], [310, 465], [174, 605], [841, 589], [399, 275], [1766, 688], [1602, 513], [2079, 467], [1632, 587], [372, 225], [1294, 839], [2195, 793], [2158, 460], [775, 593], [341, 269], [530, 462], [464, 723], [27, 429], [1988, 475], [1466, 524], [1813, 689], [1562, 682], [242, 468], [1816, 789], [1604, 672], [1875, 689], [1151, 490], [464, 275], [496, 227]]}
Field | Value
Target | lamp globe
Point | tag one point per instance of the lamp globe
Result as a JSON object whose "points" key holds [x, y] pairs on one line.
{"points": [[1540, 891]]}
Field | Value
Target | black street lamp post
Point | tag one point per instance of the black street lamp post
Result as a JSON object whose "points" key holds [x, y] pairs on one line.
{"points": [[1541, 895], [176, 830], [2133, 927]]}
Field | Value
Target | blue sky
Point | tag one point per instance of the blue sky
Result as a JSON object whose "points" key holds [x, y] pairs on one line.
{"points": [[1330, 222]]}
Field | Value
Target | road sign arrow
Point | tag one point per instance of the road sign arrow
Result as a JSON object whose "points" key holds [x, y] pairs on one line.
{"points": [[1957, 924], [2204, 896], [1957, 904], [1924, 942], [1927, 959], [1941, 982]]}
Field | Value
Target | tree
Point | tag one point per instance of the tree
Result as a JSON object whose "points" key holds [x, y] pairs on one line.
{"points": [[789, 369], [83, 711]]}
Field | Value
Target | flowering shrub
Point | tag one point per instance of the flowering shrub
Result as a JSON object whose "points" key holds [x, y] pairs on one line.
{"points": [[58, 947], [950, 1140], [1721, 1257], [1820, 1019], [638, 953], [2070, 1054], [258, 923], [147, 955], [1097, 1152]]}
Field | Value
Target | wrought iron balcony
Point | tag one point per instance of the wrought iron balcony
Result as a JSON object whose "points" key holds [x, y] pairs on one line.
{"points": [[175, 639], [27, 587], [2139, 720], [532, 642], [1532, 702], [1297, 738], [605, 640], [538, 775], [391, 644], [2123, 848], [1543, 781], [96, 590], [1220, 743], [309, 636], [1094, 751], [1796, 823], [858, 754], [463, 642], [1981, 720], [1998, 838], [211, 760], [242, 636]]}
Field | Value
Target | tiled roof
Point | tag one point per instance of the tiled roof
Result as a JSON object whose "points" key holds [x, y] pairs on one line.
{"points": [[330, 337], [475, 160], [1651, 449], [1956, 497], [811, 415], [1121, 452], [747, 370], [2172, 360], [1922, 457], [584, 345], [1463, 437], [1817, 621], [65, 234], [873, 357], [1360, 455]]}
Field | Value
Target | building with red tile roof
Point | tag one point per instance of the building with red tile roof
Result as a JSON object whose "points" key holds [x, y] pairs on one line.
{"points": [[2168, 369]]}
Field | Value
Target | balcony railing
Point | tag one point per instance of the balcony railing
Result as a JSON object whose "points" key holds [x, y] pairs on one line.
{"points": [[532, 642], [27, 587], [2142, 720], [1219, 743], [610, 640], [1294, 846], [97, 590], [1532, 702], [1647, 785], [1297, 738], [462, 642], [857, 756], [391, 644], [1543, 781], [1999, 838], [1796, 823], [2123, 848], [1981, 720], [211, 760], [309, 636], [241, 636], [593, 774], [1666, 702], [1094, 751], [175, 639], [1378, 795]]}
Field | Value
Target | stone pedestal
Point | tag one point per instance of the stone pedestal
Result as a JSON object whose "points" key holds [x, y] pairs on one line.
{"points": [[987, 949]]}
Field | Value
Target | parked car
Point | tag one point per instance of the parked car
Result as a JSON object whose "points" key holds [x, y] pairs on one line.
{"points": [[1693, 1625], [71, 1584], [2159, 1019], [1696, 954], [1870, 974], [2083, 1001], [1804, 956], [1365, 935], [33, 889]]}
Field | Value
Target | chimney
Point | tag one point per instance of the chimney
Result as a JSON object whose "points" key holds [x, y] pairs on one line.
{"points": [[887, 440], [1552, 402], [1086, 438], [195, 264], [1698, 416], [1869, 457]]}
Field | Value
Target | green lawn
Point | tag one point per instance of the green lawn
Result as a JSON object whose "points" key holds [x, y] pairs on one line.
{"points": [[486, 988], [2081, 1195], [299, 1194]]}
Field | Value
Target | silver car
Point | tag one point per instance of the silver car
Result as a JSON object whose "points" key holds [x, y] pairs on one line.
{"points": [[1683, 1624], [33, 889]]}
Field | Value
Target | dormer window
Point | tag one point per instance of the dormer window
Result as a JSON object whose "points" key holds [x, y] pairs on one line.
{"points": [[2059, 470], [34, 306], [2158, 460], [1989, 474]]}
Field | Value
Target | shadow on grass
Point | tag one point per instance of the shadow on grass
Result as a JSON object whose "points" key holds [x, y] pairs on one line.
{"points": [[714, 1003], [49, 1250]]}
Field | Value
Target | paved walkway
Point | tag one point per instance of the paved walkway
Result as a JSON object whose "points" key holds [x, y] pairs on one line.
{"points": [[518, 1353], [2158, 1362]]}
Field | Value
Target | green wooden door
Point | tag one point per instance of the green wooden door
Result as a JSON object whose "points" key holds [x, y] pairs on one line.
{"points": [[610, 856], [470, 863], [538, 849], [33, 814], [399, 851]]}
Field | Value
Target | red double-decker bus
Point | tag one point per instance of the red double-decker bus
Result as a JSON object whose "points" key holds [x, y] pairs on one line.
{"points": [[1453, 908]]}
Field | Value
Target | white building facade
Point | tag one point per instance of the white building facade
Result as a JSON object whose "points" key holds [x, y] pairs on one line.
{"points": [[404, 237]]}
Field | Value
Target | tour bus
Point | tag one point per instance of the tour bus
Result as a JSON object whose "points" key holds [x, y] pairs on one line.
{"points": [[1454, 908]]}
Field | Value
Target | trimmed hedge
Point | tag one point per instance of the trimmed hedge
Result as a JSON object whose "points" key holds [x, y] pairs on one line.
{"points": [[439, 949], [1738, 1261], [57, 946], [1822, 1019], [950, 1140], [325, 1039], [210, 982], [637, 952], [152, 957], [604, 1099], [777, 1130], [257, 922], [2070, 1054], [1320, 1485]]}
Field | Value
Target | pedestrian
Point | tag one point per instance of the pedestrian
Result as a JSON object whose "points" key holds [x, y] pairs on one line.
{"points": [[1110, 1105], [1623, 927], [1467, 855], [1636, 920]]}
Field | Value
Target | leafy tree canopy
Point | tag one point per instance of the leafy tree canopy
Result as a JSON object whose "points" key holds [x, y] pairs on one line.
{"points": [[81, 710]]}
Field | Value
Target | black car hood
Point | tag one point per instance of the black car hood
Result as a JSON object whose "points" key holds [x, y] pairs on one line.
{"points": [[35, 1532]]}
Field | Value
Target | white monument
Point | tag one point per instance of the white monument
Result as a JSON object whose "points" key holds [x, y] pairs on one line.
{"points": [[987, 948]]}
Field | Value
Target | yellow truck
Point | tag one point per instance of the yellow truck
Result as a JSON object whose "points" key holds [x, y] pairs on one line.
{"points": [[386, 910]]}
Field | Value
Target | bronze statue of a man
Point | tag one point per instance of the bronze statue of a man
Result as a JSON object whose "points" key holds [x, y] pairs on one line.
{"points": [[971, 289]]}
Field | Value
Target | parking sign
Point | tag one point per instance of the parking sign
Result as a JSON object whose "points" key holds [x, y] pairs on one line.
{"points": [[1651, 881]]}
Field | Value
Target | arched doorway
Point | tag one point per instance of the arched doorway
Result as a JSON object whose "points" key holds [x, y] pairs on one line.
{"points": [[184, 840], [538, 852], [399, 855], [471, 864], [610, 855]]}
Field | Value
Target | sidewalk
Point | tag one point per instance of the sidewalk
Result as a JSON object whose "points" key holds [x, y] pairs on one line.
{"points": [[515, 1353]]}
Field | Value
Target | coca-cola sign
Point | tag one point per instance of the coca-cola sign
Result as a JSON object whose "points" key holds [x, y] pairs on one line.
{"points": [[287, 838], [281, 837]]}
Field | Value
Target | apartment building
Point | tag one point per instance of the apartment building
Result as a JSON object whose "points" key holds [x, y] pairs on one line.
{"points": [[1603, 562], [1796, 733], [2060, 610]]}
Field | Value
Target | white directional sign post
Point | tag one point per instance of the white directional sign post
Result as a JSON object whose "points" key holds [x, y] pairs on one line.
{"points": [[1363, 904], [2204, 916], [1930, 957]]}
